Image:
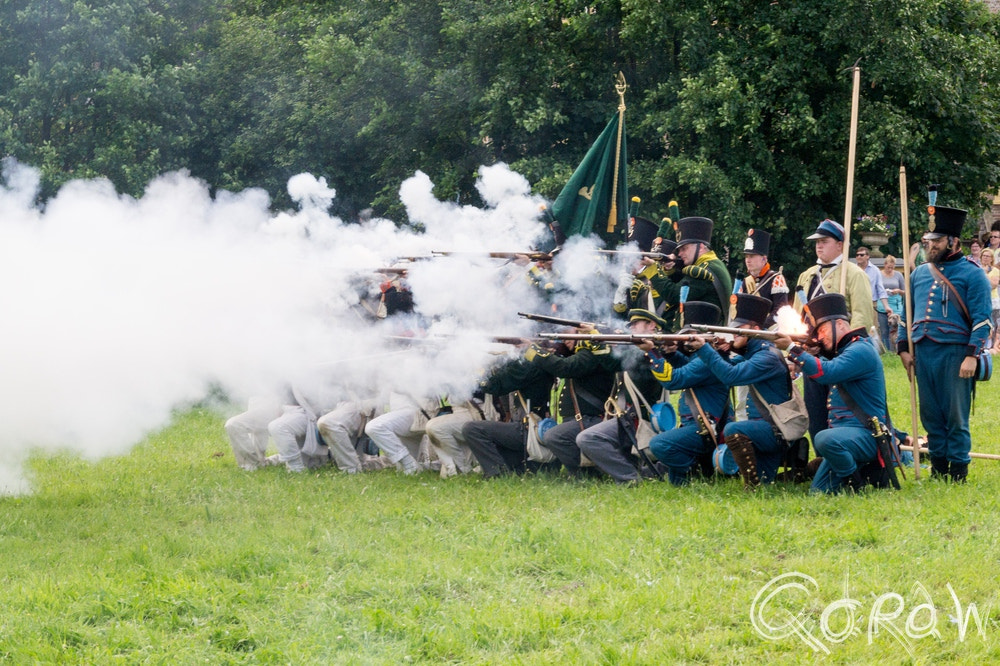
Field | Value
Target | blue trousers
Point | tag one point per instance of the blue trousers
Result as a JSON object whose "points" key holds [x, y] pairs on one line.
{"points": [[769, 449], [945, 400], [679, 449], [843, 450]]}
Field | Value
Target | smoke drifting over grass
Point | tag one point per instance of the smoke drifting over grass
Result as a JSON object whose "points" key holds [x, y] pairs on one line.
{"points": [[118, 310]]}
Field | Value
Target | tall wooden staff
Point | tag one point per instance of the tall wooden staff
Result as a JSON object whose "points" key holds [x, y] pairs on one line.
{"points": [[904, 218], [848, 204], [620, 87]]}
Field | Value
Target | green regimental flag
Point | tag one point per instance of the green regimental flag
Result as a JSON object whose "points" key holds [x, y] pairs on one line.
{"points": [[590, 197]]}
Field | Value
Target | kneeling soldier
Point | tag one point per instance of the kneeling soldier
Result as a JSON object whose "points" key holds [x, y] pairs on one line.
{"points": [[756, 448], [851, 367]]}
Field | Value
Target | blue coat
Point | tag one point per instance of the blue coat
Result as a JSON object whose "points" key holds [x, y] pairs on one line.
{"points": [[762, 366], [694, 374], [858, 369], [936, 314]]}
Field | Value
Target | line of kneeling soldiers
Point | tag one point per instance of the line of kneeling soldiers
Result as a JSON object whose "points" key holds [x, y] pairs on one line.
{"points": [[591, 409]]}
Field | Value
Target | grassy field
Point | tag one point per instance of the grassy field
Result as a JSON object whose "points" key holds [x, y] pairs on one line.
{"points": [[173, 555]]}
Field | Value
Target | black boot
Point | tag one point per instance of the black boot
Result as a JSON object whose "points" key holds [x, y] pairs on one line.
{"points": [[741, 447], [854, 483], [939, 468], [812, 467], [959, 472]]}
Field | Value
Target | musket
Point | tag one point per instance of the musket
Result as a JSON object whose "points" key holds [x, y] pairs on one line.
{"points": [[750, 332], [532, 255], [515, 340], [391, 270], [549, 319], [658, 256], [442, 339], [631, 338]]}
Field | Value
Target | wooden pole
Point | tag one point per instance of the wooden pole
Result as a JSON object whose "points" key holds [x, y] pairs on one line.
{"points": [[620, 87], [849, 199], [904, 219], [972, 454]]}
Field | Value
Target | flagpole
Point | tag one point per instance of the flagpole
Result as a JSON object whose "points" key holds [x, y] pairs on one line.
{"points": [[848, 204], [620, 87], [904, 218]]}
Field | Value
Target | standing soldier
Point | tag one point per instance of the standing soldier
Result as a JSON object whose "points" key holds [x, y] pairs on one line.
{"points": [[761, 279], [951, 325], [697, 267], [824, 278]]}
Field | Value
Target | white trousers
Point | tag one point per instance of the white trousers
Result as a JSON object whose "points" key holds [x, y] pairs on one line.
{"points": [[289, 433], [392, 435], [445, 435], [340, 429], [248, 434]]}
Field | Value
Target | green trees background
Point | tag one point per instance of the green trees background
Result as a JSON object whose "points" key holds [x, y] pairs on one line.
{"points": [[738, 109]]}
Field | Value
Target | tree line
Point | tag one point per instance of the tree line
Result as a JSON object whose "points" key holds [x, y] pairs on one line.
{"points": [[737, 109]]}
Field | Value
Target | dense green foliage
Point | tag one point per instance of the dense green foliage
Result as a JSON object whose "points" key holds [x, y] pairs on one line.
{"points": [[171, 554], [739, 110]]}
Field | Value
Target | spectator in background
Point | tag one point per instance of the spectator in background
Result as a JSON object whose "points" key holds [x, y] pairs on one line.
{"points": [[988, 258], [889, 318], [975, 250], [879, 295], [992, 239]]}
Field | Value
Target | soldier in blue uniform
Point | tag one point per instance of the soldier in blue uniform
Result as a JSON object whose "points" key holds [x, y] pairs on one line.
{"points": [[849, 364], [691, 444], [758, 452], [951, 325]]}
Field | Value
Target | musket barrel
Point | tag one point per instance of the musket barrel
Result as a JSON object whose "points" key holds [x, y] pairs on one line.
{"points": [[628, 337], [549, 319], [532, 255], [749, 332]]}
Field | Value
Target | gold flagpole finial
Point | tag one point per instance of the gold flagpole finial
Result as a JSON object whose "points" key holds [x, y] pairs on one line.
{"points": [[620, 87]]}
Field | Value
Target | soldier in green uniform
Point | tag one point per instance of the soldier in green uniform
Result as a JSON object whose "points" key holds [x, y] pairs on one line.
{"points": [[697, 267]]}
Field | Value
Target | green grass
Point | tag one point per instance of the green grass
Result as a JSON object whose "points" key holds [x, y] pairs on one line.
{"points": [[173, 555]]}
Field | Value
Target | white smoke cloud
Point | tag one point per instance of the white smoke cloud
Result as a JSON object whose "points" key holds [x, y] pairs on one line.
{"points": [[118, 310]]}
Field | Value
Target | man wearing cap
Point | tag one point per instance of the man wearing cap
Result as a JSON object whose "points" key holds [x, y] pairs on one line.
{"points": [[697, 268], [757, 450], [704, 407], [606, 444], [761, 279], [951, 325], [849, 365], [824, 278]]}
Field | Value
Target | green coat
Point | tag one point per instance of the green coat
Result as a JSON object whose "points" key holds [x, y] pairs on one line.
{"points": [[701, 279]]}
